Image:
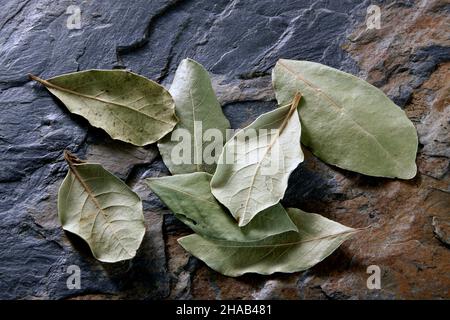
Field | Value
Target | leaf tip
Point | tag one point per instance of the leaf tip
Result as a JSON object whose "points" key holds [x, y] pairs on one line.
{"points": [[242, 222], [411, 174], [181, 241], [149, 182]]}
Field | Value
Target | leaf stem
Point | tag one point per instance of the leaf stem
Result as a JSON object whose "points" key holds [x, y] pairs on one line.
{"points": [[293, 108], [71, 161], [71, 158]]}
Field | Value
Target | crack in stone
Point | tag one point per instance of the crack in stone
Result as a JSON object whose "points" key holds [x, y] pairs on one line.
{"points": [[15, 14], [165, 70], [140, 43], [79, 56]]}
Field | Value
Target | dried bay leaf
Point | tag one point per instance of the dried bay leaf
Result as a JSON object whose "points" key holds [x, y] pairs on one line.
{"points": [[127, 106], [190, 199], [316, 239], [198, 111], [102, 210], [254, 167], [346, 121]]}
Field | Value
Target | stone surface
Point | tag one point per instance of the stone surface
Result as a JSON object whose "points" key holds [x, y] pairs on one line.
{"points": [[442, 229], [239, 42]]}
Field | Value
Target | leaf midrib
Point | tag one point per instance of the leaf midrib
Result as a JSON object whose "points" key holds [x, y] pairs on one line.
{"points": [[250, 245], [195, 131], [283, 125]]}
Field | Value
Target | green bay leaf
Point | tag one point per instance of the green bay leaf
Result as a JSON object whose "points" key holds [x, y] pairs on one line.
{"points": [[190, 199], [127, 106], [346, 121], [254, 167], [198, 111], [102, 210], [316, 239]]}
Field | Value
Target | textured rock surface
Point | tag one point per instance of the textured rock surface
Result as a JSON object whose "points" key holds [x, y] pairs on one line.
{"points": [[239, 42]]}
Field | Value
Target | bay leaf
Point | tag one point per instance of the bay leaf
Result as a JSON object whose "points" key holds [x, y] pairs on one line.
{"points": [[254, 167], [316, 239], [127, 106], [347, 122], [190, 199], [198, 110], [102, 210]]}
